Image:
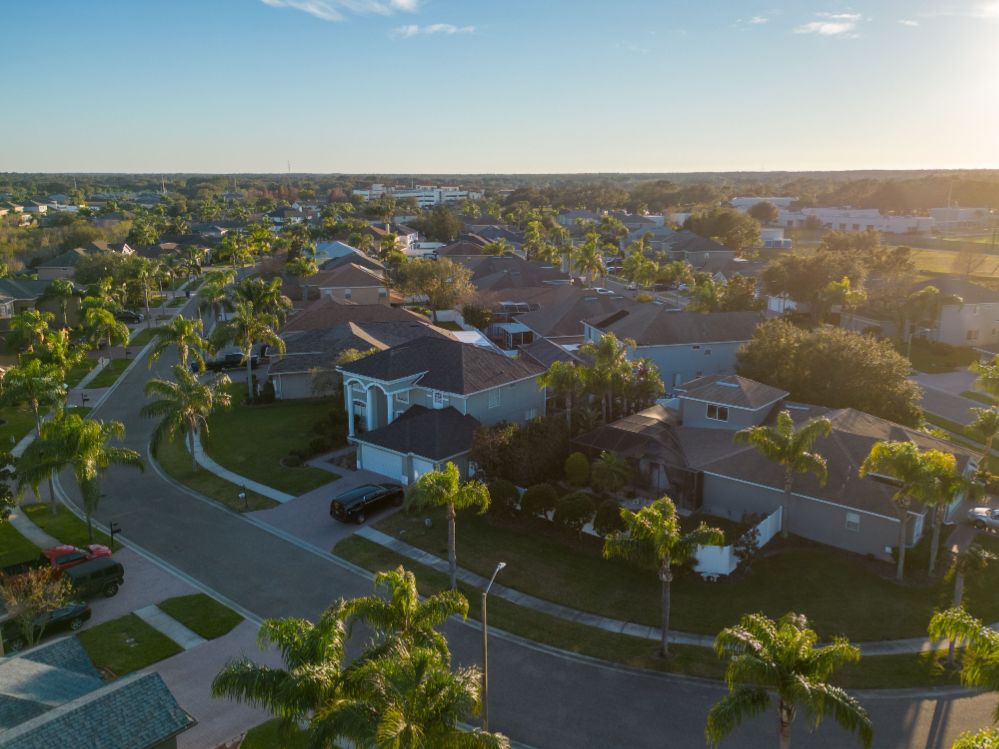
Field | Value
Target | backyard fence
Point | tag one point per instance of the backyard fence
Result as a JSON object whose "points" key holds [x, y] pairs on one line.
{"points": [[713, 562]]}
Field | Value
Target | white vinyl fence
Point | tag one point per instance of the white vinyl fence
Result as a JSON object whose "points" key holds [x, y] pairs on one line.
{"points": [[717, 561]]}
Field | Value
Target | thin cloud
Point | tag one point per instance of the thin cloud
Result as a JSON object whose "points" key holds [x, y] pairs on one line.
{"points": [[832, 24], [987, 10], [908, 22], [759, 20], [338, 10], [447, 29]]}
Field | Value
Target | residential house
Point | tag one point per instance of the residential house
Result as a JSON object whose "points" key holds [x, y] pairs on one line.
{"points": [[17, 295], [494, 272], [438, 375], [467, 245], [572, 220], [973, 321], [684, 345], [325, 314], [61, 266], [562, 322], [332, 255], [35, 206], [119, 248], [9, 207], [53, 696], [350, 283], [282, 216], [687, 450]]}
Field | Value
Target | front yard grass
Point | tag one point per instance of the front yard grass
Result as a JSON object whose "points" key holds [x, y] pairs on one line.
{"points": [[64, 525], [202, 614], [79, 371], [175, 460], [15, 548], [934, 358], [842, 594], [110, 374], [141, 338], [126, 644], [875, 672], [253, 440], [15, 423], [270, 736]]}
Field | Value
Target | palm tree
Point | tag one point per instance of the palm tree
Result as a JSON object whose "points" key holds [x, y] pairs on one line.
{"points": [[610, 472], [563, 380], [767, 656], [265, 296], [924, 306], [186, 336], [145, 275], [988, 376], [301, 268], [652, 538], [971, 560], [986, 423], [980, 662], [101, 325], [28, 329], [790, 447], [185, 405], [589, 259], [913, 473], [944, 489], [62, 291], [246, 328], [213, 294], [609, 370], [446, 489], [59, 351], [82, 444]]}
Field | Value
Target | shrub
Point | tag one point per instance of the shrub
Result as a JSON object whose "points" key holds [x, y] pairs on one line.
{"points": [[529, 454], [574, 511], [643, 298], [610, 473], [504, 497], [318, 445], [267, 394], [476, 316], [297, 452], [608, 518], [539, 499], [577, 469]]}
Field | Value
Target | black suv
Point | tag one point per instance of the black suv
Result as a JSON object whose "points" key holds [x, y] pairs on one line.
{"points": [[353, 506], [103, 575], [71, 616]]}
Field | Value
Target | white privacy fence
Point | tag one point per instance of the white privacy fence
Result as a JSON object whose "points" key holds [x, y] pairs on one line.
{"points": [[713, 562]]}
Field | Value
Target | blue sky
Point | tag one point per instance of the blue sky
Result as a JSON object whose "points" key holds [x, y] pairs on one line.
{"points": [[453, 86]]}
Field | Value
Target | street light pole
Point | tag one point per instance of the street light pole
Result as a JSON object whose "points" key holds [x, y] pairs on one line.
{"points": [[485, 649]]}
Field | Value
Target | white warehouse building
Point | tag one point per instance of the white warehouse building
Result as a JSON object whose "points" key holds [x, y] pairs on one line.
{"points": [[856, 219], [426, 196]]}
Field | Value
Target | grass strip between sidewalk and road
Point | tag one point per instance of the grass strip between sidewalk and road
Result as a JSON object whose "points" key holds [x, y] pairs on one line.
{"points": [[64, 525], [269, 735], [141, 338], [875, 672], [201, 614], [110, 374], [15, 548], [974, 395], [126, 644]]}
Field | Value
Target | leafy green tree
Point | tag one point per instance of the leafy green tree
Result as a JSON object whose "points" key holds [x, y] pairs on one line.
{"points": [[986, 424], [806, 278], [564, 381], [446, 489], [27, 330], [791, 448], [589, 258], [732, 228], [987, 738], [765, 212], [767, 657], [186, 336], [184, 405], [101, 325], [265, 296], [439, 225], [652, 538], [27, 597], [444, 283], [245, 329]]}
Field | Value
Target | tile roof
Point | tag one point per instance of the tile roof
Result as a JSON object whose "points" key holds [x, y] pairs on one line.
{"points": [[445, 365], [659, 325], [428, 433], [324, 314], [731, 390]]}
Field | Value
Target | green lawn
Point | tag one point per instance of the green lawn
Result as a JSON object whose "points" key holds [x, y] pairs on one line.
{"points": [[974, 395], [15, 423], [141, 338], [874, 672], [126, 644], [253, 440], [202, 614], [110, 374], [838, 591], [175, 460], [64, 525], [270, 736], [178, 301], [78, 372], [15, 548], [934, 358]]}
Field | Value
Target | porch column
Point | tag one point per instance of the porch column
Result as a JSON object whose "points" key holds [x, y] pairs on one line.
{"points": [[348, 405], [370, 408], [389, 407]]}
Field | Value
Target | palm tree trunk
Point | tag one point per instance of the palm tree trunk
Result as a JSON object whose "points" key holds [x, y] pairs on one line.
{"points": [[452, 554], [191, 437], [785, 716], [145, 299], [785, 526], [902, 522], [38, 435], [665, 578], [568, 412], [958, 598], [249, 374], [934, 540], [90, 523]]}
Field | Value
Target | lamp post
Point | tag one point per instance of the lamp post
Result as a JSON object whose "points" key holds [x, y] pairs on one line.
{"points": [[485, 649]]}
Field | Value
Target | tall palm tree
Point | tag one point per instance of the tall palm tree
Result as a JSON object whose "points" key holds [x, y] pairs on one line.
{"points": [[145, 275], [971, 560], [589, 260], [184, 405], [791, 448], [446, 489], [59, 351], [213, 294], [980, 662], [563, 379], [265, 296], [186, 336], [28, 329], [768, 657], [988, 376], [82, 444], [62, 291], [944, 489], [246, 328], [101, 326], [652, 538], [609, 370], [986, 423], [913, 473]]}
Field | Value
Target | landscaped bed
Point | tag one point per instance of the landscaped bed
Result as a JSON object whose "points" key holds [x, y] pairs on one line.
{"points": [[126, 644], [201, 614], [841, 593], [64, 525], [110, 374]]}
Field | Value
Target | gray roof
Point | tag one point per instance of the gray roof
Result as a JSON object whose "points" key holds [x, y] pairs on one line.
{"points": [[658, 325], [970, 293], [429, 433], [350, 275], [546, 352], [68, 259], [507, 271], [445, 365], [325, 314], [18, 289], [732, 390], [565, 318]]}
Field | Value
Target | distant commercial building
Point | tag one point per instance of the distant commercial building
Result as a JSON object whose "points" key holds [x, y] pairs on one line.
{"points": [[746, 202], [959, 218], [856, 219], [426, 196]]}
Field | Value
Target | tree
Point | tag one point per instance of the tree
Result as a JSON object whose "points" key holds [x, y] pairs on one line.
{"points": [[213, 294], [186, 336], [732, 228], [443, 282], [738, 294], [184, 405], [609, 370], [986, 423], [265, 296], [246, 328], [574, 511], [27, 330], [653, 538], [987, 738], [27, 597], [476, 316], [971, 560], [923, 307], [439, 225], [791, 448], [497, 247], [302, 267], [980, 662], [913, 473], [62, 292], [446, 489], [610, 472], [806, 278], [767, 657], [101, 325], [82, 444], [946, 485], [589, 259], [564, 381], [765, 212]]}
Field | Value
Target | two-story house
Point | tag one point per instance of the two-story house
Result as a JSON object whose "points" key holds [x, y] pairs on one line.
{"points": [[409, 405], [684, 345], [350, 283], [972, 316]]}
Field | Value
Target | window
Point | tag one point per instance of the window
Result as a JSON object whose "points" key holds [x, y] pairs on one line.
{"points": [[694, 348], [494, 398], [717, 413], [382, 292], [707, 352], [853, 521], [440, 399]]}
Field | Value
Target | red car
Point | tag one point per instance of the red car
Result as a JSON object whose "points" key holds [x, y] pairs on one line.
{"points": [[63, 557]]}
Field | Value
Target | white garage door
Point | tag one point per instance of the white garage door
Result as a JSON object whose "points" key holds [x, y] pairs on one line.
{"points": [[421, 467], [381, 461]]}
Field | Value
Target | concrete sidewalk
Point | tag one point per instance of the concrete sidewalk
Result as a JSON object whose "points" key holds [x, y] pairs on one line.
{"points": [[211, 466], [165, 624], [23, 525]]}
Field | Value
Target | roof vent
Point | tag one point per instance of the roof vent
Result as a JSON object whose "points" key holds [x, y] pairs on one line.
{"points": [[727, 384]]}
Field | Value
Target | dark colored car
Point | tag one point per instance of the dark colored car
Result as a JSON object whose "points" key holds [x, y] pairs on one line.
{"points": [[71, 616], [128, 316], [103, 575], [228, 361], [355, 505]]}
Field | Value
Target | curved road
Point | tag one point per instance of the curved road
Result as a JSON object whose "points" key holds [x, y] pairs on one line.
{"points": [[540, 697]]}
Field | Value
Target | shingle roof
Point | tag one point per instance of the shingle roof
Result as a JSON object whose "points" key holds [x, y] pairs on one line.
{"points": [[509, 271], [328, 313], [429, 433], [970, 293], [445, 365], [731, 390], [658, 325], [565, 318], [546, 352], [22, 289], [68, 259], [350, 275]]}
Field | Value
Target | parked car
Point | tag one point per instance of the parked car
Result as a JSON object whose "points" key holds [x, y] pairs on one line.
{"points": [[984, 517], [227, 361], [59, 558], [103, 575], [601, 290], [128, 316], [71, 616], [355, 505]]}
